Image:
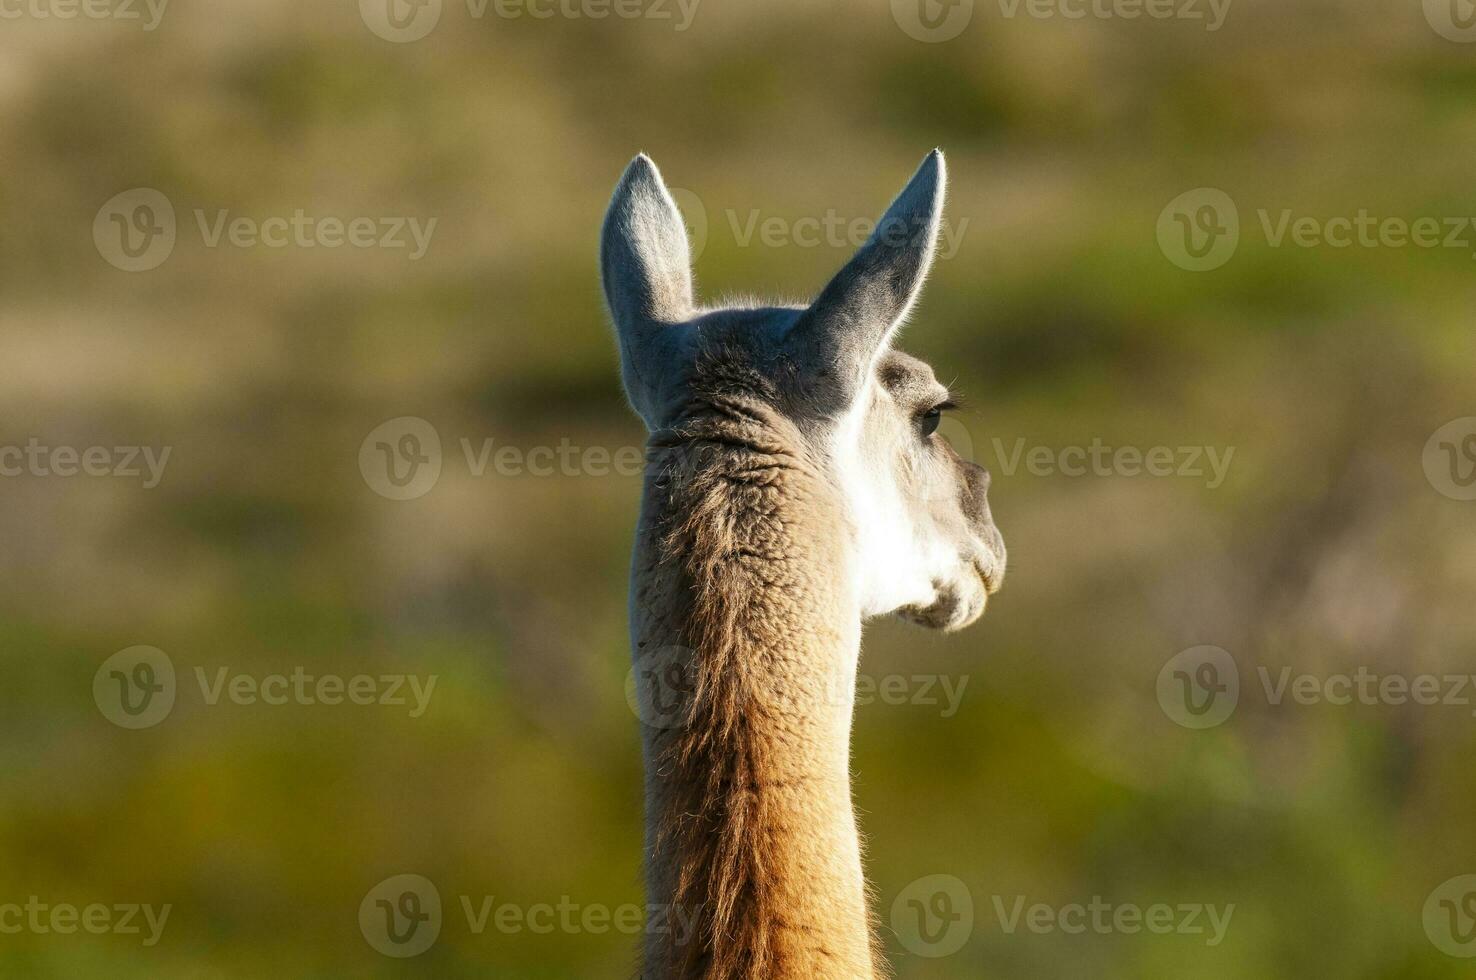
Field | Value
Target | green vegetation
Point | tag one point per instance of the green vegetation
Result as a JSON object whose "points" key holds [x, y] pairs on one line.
{"points": [[1058, 778]]}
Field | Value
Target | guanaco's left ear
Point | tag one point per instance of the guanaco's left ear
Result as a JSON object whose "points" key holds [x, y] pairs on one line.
{"points": [[647, 273], [857, 314]]}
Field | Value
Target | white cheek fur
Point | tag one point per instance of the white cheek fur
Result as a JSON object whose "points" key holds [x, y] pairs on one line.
{"points": [[895, 560]]}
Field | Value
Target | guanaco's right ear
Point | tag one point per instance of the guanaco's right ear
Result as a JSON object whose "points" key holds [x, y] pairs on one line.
{"points": [[647, 273], [843, 332]]}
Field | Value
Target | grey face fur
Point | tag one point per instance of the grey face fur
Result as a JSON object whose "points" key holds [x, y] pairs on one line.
{"points": [[925, 545]]}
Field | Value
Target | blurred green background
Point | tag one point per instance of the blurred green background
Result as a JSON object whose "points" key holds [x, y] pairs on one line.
{"points": [[1058, 778]]}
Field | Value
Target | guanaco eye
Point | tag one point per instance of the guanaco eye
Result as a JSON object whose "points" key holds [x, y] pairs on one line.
{"points": [[930, 419]]}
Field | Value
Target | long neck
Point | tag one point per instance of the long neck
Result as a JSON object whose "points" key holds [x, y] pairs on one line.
{"points": [[746, 634]]}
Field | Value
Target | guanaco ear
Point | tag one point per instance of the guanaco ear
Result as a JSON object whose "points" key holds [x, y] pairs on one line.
{"points": [[646, 268], [841, 334]]}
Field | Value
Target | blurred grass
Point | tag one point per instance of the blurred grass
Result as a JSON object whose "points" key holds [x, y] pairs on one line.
{"points": [[1058, 778]]}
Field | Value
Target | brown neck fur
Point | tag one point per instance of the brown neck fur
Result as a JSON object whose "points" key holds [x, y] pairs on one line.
{"points": [[740, 568]]}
